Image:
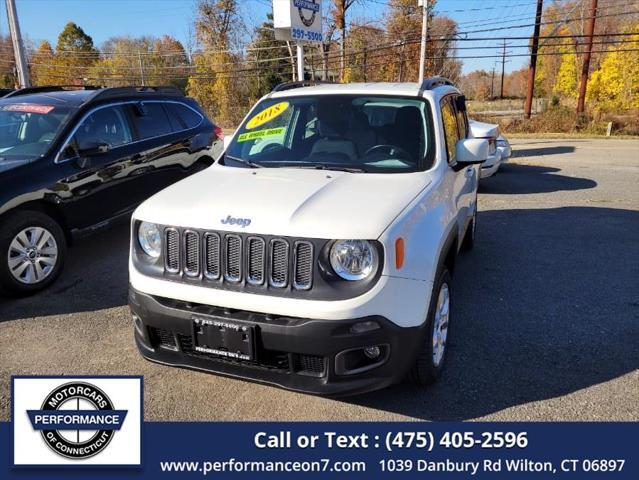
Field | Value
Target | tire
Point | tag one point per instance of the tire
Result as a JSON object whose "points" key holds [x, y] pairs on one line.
{"points": [[426, 369], [469, 238], [36, 260]]}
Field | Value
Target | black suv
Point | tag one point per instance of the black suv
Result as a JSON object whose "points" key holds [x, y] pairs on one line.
{"points": [[72, 161]]}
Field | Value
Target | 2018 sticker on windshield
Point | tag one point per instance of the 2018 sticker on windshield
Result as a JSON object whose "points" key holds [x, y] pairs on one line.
{"points": [[27, 108], [268, 132], [267, 115]]}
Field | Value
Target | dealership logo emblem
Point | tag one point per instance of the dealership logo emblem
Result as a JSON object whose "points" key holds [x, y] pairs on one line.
{"points": [[77, 420], [307, 5]]}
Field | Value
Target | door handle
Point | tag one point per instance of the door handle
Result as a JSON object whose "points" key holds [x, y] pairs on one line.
{"points": [[469, 172]]}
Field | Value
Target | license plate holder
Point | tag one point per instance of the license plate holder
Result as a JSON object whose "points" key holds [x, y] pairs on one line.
{"points": [[225, 338]]}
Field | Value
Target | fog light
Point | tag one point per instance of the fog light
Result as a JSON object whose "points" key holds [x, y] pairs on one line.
{"points": [[372, 352]]}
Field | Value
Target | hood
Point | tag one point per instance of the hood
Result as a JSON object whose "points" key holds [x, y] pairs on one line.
{"points": [[285, 201], [6, 164], [482, 130]]}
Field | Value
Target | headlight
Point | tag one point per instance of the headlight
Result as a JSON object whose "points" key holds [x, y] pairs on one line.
{"points": [[353, 259], [150, 239]]}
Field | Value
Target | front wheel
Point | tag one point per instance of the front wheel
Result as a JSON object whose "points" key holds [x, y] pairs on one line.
{"points": [[430, 360], [32, 251]]}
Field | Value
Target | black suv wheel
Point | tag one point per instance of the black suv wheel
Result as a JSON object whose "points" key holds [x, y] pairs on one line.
{"points": [[32, 251]]}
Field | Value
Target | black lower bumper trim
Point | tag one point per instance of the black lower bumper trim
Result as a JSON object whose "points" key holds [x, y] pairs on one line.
{"points": [[293, 353]]}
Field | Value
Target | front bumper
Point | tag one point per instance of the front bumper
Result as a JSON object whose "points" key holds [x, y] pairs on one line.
{"points": [[506, 153], [294, 353]]}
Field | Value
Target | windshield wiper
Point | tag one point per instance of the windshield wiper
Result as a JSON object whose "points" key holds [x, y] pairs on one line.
{"points": [[248, 163], [323, 166]]}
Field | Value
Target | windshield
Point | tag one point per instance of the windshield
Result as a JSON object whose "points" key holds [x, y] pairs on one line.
{"points": [[27, 129], [336, 132]]}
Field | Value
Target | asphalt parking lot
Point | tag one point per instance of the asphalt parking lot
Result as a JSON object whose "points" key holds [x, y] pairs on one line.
{"points": [[545, 319]]}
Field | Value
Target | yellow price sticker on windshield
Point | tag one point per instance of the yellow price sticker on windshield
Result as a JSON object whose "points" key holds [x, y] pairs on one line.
{"points": [[270, 132], [267, 115]]}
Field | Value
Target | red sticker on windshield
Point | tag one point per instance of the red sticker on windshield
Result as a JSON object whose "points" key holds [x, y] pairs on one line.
{"points": [[28, 108]]}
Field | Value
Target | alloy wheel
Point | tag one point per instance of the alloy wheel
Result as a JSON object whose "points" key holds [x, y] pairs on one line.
{"points": [[440, 327], [33, 255]]}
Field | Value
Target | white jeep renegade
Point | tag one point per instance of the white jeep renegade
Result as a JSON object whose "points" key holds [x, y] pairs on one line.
{"points": [[316, 253]]}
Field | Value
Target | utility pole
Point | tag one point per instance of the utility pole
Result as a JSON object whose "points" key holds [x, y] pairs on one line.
{"points": [[300, 62], [18, 47], [422, 54], [142, 67], [492, 84], [590, 30], [503, 67], [533, 61]]}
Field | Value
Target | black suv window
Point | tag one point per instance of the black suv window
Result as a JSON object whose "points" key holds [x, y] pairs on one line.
{"points": [[150, 120], [187, 117], [104, 126]]}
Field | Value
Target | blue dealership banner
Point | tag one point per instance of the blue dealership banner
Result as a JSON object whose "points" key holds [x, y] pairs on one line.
{"points": [[365, 451]]}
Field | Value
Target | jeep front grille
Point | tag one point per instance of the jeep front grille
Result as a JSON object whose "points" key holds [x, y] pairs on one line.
{"points": [[255, 261], [172, 253], [279, 263], [303, 271], [192, 254], [212, 255], [233, 258], [237, 259]]}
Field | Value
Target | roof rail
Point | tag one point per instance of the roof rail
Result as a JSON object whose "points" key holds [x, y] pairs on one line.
{"points": [[434, 82], [303, 83], [111, 92], [49, 88]]}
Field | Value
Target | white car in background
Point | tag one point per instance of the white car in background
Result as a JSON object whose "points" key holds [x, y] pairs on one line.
{"points": [[490, 132], [504, 147]]}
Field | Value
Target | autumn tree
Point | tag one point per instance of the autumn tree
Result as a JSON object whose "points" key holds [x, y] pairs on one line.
{"points": [[74, 55], [567, 77], [43, 68], [615, 85], [362, 63], [269, 58], [142, 61], [339, 9], [403, 26], [214, 83], [7, 63]]}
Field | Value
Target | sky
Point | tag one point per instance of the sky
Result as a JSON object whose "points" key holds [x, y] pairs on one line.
{"points": [[102, 19]]}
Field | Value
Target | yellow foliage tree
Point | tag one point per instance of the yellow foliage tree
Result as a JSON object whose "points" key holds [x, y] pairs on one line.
{"points": [[615, 85], [566, 80]]}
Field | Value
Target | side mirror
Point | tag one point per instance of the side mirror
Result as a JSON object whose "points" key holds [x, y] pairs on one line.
{"points": [[471, 151]]}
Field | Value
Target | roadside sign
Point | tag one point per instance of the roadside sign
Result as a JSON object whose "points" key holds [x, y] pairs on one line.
{"points": [[298, 20]]}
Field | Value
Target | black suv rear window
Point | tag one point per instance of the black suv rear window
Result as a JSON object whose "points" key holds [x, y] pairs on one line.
{"points": [[151, 120], [187, 117]]}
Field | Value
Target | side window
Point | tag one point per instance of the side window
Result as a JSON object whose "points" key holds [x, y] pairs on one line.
{"points": [[462, 124], [450, 128], [106, 125], [151, 120], [185, 116]]}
